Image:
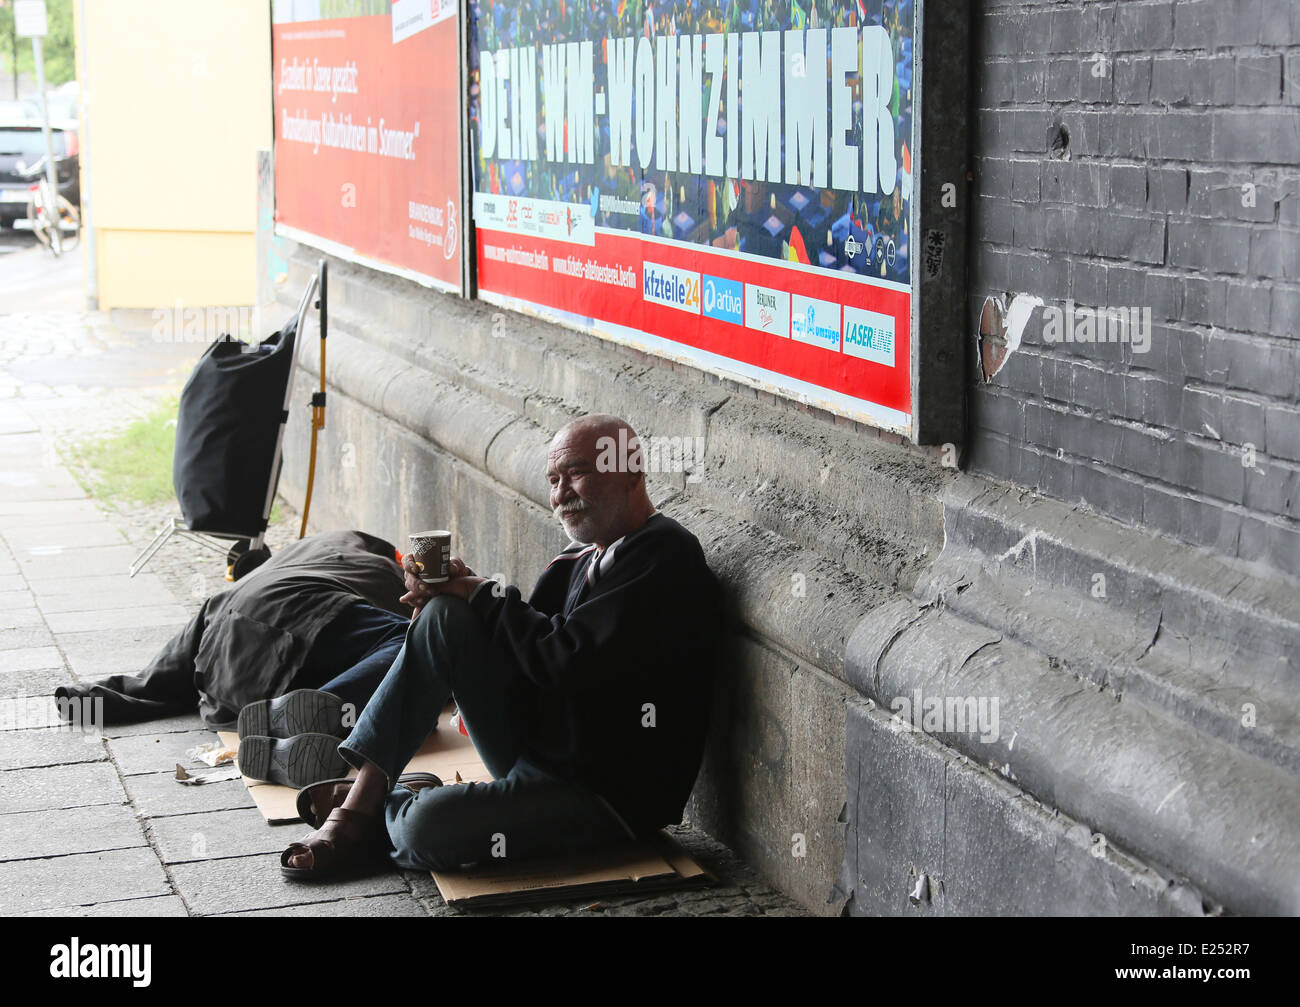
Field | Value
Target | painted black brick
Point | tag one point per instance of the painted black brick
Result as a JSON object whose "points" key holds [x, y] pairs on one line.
{"points": [[1282, 432], [1143, 26], [1179, 193], [1273, 488], [1258, 80], [1132, 79]]}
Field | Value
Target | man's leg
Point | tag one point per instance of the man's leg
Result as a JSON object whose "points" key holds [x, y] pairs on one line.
{"points": [[351, 655], [368, 659], [526, 814], [447, 652]]}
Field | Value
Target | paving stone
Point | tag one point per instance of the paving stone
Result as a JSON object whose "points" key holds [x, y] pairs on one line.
{"points": [[166, 725], [29, 712], [218, 834], [113, 651], [137, 617], [80, 880], [16, 618], [35, 539], [159, 752], [36, 683], [24, 637], [94, 589], [96, 560], [65, 786], [14, 423], [30, 658], [15, 599], [98, 594], [245, 883], [21, 514], [13, 582], [37, 485], [159, 905], [30, 749], [72, 830], [372, 905], [158, 794]]}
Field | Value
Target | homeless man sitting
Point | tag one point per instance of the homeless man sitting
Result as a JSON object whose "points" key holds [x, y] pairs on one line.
{"points": [[588, 702]]}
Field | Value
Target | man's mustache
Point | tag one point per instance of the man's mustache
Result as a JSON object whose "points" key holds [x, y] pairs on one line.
{"points": [[572, 507]]}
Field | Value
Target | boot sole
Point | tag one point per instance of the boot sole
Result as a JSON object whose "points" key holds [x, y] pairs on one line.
{"points": [[292, 762], [302, 711]]}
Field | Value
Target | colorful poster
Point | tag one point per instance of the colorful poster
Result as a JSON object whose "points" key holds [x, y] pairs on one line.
{"points": [[367, 127], [729, 184]]}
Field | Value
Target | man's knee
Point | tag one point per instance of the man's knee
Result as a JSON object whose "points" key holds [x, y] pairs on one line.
{"points": [[445, 613], [441, 832], [443, 621]]}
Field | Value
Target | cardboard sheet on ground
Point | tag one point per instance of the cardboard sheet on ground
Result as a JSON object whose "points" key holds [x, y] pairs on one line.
{"points": [[619, 870], [629, 868], [614, 871]]}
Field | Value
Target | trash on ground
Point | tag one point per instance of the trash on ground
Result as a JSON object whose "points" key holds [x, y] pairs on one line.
{"points": [[198, 779], [212, 754]]}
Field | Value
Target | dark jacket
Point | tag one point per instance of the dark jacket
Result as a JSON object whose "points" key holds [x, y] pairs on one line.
{"points": [[247, 643], [618, 676]]}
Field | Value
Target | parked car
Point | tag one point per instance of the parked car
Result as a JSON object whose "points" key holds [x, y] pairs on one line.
{"points": [[22, 145], [20, 110]]}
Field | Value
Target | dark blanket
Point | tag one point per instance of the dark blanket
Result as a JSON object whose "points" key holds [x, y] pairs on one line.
{"points": [[247, 643]]}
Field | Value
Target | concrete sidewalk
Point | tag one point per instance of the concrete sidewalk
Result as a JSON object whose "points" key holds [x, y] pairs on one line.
{"points": [[95, 825]]}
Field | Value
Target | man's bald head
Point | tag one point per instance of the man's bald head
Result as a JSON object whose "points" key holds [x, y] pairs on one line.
{"points": [[597, 481], [595, 426]]}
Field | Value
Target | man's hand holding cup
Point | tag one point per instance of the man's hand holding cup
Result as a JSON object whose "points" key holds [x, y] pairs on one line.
{"points": [[430, 570]]}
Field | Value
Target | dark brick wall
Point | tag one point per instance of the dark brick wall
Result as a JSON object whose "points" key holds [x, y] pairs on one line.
{"points": [[1172, 109]]}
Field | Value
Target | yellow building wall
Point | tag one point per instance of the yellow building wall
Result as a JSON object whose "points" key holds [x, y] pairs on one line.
{"points": [[177, 100]]}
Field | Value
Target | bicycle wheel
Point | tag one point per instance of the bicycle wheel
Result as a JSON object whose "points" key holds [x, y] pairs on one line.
{"points": [[51, 200], [37, 218], [69, 223]]}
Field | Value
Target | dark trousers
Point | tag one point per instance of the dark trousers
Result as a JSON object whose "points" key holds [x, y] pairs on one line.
{"points": [[524, 812], [351, 656]]}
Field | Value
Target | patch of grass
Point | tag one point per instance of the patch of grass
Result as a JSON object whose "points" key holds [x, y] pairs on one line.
{"points": [[133, 466]]}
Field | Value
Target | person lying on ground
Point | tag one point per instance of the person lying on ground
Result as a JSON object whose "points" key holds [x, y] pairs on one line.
{"points": [[324, 613], [588, 703]]}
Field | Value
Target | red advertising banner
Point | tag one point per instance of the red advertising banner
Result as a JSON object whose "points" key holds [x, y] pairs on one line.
{"points": [[367, 149], [806, 331]]}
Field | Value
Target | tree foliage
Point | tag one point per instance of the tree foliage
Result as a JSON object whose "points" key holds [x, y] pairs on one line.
{"points": [[59, 45]]}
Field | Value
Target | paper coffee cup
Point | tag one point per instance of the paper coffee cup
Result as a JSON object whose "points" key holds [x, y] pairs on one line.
{"points": [[432, 551]]}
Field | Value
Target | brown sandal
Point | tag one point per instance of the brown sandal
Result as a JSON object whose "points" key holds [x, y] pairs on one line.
{"points": [[354, 845], [317, 801]]}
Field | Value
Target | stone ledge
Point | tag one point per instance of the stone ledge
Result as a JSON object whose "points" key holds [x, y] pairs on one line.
{"points": [[1176, 797], [984, 847], [1194, 636]]}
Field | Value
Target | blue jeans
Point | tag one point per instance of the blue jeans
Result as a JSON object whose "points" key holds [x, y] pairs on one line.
{"points": [[524, 812]]}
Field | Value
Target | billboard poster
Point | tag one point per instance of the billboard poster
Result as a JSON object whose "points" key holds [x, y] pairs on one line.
{"points": [[367, 127], [727, 184]]}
